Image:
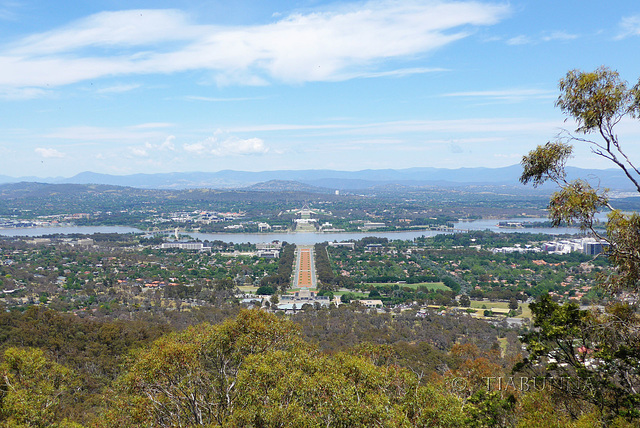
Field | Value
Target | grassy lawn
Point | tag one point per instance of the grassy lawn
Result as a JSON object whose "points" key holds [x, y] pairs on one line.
{"points": [[503, 344], [477, 304], [355, 293], [429, 285]]}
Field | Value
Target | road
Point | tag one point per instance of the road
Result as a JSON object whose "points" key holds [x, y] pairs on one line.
{"points": [[305, 276]]}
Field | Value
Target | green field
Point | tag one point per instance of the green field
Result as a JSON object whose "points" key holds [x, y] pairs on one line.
{"points": [[477, 304], [355, 293], [429, 285]]}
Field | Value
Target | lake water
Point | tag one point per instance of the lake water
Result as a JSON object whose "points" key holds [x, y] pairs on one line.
{"points": [[296, 238], [67, 230]]}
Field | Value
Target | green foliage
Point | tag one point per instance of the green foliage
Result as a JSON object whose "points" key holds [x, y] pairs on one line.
{"points": [[546, 163], [189, 378], [326, 276], [32, 388], [265, 290], [624, 235], [599, 353], [309, 389], [282, 279], [576, 202], [489, 409], [597, 99]]}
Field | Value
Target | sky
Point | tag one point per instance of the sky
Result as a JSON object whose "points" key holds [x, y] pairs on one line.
{"points": [[123, 87]]}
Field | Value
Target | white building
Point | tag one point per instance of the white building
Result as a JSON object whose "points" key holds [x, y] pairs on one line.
{"points": [[198, 246]]}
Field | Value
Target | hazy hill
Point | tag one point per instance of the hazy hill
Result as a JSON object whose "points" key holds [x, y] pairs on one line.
{"points": [[326, 179]]}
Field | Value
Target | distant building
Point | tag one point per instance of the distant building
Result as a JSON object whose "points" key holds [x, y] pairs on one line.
{"points": [[275, 245], [40, 241], [350, 245], [268, 254], [593, 248], [264, 226], [371, 303], [297, 299], [371, 225], [373, 248], [197, 246]]}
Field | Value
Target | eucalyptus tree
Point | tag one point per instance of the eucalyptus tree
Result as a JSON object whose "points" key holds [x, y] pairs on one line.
{"points": [[599, 350]]}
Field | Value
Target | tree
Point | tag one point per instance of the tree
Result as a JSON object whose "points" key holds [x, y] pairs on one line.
{"points": [[189, 378], [586, 357], [465, 302], [255, 370], [597, 101], [599, 349], [32, 388], [309, 388]]}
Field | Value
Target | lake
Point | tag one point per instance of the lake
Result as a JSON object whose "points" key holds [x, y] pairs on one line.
{"points": [[297, 238]]}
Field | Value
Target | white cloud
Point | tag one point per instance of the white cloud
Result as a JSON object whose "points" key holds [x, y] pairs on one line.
{"points": [[473, 125], [219, 100], [199, 148], [152, 125], [546, 37], [168, 144], [11, 93], [391, 73], [629, 26], [519, 40], [92, 133], [239, 146], [49, 153], [111, 29], [326, 45], [228, 146], [8, 10], [559, 35], [117, 89], [140, 151], [506, 95], [148, 148]]}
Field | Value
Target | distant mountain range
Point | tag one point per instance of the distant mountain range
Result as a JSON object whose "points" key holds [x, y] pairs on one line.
{"points": [[327, 179]]}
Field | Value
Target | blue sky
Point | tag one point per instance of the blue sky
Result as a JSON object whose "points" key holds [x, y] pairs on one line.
{"points": [[123, 87]]}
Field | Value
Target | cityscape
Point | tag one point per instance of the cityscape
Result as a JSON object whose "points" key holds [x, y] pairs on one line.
{"points": [[313, 213]]}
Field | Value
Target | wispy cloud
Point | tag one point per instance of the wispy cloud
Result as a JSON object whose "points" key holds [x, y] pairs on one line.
{"points": [[8, 10], [49, 153], [220, 145], [12, 93], [559, 35], [117, 89], [520, 40], [321, 46], [629, 26], [392, 73], [93, 133], [152, 125], [475, 125], [147, 149], [542, 38], [220, 100], [511, 95]]}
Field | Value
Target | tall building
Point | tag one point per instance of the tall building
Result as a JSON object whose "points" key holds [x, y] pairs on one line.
{"points": [[593, 248]]}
